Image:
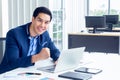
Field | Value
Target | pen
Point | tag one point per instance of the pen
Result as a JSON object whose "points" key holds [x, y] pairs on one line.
{"points": [[30, 73]]}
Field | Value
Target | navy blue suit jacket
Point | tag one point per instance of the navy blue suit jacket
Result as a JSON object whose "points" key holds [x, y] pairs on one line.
{"points": [[17, 47]]}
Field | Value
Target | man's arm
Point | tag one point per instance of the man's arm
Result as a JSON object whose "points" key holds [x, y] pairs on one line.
{"points": [[15, 52], [54, 51]]}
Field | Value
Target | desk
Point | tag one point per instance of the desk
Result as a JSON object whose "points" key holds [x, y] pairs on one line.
{"points": [[106, 42], [109, 63], [104, 30]]}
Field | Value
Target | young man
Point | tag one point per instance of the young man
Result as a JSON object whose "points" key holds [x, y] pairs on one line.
{"points": [[30, 42]]}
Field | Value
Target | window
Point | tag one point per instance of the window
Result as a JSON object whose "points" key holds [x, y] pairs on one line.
{"points": [[98, 7], [114, 7], [104, 7], [57, 23], [57, 28]]}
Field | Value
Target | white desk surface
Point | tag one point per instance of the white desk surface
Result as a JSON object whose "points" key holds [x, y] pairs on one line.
{"points": [[109, 63]]}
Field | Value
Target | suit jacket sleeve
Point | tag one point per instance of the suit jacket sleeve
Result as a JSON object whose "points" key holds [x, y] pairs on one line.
{"points": [[15, 56], [54, 51]]}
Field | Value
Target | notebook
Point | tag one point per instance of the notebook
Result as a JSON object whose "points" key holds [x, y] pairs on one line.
{"points": [[76, 75], [69, 59]]}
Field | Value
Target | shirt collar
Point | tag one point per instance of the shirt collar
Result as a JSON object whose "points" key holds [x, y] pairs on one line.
{"points": [[28, 32], [27, 29]]}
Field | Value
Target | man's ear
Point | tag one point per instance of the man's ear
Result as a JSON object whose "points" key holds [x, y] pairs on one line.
{"points": [[33, 18]]}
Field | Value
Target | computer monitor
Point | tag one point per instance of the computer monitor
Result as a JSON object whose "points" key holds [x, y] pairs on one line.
{"points": [[110, 20], [95, 22]]}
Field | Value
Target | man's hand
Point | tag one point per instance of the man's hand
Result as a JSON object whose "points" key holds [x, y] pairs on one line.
{"points": [[56, 62], [43, 54]]}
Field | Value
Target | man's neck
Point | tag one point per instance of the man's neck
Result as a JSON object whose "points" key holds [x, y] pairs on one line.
{"points": [[32, 33]]}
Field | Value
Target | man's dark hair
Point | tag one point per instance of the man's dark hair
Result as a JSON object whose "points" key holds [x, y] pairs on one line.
{"points": [[42, 10]]}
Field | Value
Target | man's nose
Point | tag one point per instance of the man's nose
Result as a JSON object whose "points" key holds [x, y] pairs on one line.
{"points": [[42, 24]]}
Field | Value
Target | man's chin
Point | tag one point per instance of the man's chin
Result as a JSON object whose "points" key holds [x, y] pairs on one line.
{"points": [[41, 33]]}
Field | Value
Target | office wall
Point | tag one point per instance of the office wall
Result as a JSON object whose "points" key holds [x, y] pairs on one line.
{"points": [[75, 12], [0, 18], [20, 11], [4, 18], [0, 26], [74, 18]]}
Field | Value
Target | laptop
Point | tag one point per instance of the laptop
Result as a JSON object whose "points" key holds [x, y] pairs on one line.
{"points": [[69, 59]]}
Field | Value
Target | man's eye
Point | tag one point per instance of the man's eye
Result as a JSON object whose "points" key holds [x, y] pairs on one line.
{"points": [[47, 22]]}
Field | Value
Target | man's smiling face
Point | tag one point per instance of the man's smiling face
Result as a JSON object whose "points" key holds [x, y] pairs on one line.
{"points": [[39, 24]]}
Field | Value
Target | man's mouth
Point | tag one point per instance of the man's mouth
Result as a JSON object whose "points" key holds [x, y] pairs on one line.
{"points": [[40, 29]]}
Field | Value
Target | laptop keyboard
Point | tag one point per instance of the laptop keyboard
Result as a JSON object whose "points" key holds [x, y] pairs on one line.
{"points": [[51, 69]]}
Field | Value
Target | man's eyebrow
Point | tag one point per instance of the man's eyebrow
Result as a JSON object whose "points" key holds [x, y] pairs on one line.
{"points": [[39, 18], [43, 19]]}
